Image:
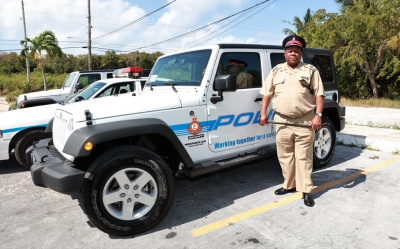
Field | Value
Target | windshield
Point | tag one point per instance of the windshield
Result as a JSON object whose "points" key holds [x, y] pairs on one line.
{"points": [[180, 69], [86, 93], [68, 81]]}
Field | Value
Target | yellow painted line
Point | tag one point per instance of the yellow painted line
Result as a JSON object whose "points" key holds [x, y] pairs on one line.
{"points": [[255, 211]]}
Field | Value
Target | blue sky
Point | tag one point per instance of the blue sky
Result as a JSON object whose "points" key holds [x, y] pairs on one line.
{"points": [[68, 20]]}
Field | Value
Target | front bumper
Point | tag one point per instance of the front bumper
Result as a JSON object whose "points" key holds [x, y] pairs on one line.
{"points": [[4, 148], [48, 170]]}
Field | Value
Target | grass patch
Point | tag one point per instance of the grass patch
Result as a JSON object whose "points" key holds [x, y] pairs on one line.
{"points": [[375, 125], [368, 147], [364, 147], [386, 103]]}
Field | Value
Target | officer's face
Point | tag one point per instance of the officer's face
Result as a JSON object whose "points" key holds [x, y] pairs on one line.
{"points": [[236, 68], [293, 55]]}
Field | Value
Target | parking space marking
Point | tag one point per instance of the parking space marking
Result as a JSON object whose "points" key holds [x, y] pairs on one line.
{"points": [[262, 209]]}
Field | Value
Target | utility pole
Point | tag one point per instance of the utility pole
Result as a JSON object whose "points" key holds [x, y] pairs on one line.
{"points": [[28, 67], [89, 38]]}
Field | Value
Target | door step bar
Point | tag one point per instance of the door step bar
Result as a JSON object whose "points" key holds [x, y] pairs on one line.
{"points": [[213, 166]]}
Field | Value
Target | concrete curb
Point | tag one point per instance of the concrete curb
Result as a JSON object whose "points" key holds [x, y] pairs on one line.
{"points": [[387, 140]]}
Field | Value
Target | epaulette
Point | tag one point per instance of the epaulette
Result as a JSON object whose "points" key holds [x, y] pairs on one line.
{"points": [[278, 67], [310, 67]]}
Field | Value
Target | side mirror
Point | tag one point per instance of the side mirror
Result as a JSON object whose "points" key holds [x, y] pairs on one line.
{"points": [[223, 83], [78, 87], [79, 98]]}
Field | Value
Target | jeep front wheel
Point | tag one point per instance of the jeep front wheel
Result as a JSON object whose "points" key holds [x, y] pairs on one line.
{"points": [[130, 190], [324, 143]]}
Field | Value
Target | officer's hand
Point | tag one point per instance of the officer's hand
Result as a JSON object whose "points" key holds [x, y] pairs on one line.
{"points": [[263, 120], [316, 122]]}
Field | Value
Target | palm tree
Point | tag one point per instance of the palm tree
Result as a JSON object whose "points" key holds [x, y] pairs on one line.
{"points": [[45, 41], [300, 25], [345, 3]]}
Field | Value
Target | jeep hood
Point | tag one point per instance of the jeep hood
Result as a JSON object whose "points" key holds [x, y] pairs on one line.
{"points": [[114, 106], [40, 94]]}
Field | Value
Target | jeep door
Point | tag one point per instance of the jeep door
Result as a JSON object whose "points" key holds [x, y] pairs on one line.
{"points": [[234, 120]]}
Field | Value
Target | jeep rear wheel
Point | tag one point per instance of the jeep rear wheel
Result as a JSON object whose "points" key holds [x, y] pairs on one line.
{"points": [[130, 190], [24, 142], [324, 143]]}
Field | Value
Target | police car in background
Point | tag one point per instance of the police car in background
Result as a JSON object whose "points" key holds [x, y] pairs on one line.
{"points": [[20, 128]]}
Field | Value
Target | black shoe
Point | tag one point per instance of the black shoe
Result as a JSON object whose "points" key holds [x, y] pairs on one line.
{"points": [[308, 200], [282, 191]]}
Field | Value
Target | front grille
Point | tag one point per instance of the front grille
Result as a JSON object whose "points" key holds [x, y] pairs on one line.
{"points": [[60, 130]]}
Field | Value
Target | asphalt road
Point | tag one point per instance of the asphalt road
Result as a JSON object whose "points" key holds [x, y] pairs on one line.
{"points": [[356, 207]]}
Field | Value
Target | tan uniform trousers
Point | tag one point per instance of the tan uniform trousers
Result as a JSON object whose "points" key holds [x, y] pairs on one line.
{"points": [[295, 152]]}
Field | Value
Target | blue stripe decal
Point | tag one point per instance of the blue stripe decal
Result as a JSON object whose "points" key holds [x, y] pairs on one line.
{"points": [[22, 128]]}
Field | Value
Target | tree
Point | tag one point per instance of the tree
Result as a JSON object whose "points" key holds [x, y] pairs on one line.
{"points": [[299, 24], [10, 63], [345, 3], [360, 37], [110, 60], [45, 41], [367, 28]]}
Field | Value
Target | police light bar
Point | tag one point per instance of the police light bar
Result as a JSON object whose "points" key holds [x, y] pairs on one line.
{"points": [[128, 72], [132, 70]]}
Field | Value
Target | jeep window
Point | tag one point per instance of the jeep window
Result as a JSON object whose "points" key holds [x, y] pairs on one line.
{"points": [[86, 79], [68, 81], [86, 93], [246, 67], [180, 69], [323, 64], [277, 58]]}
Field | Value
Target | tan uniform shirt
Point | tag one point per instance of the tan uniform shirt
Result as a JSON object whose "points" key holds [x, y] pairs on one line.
{"points": [[244, 80], [291, 90]]}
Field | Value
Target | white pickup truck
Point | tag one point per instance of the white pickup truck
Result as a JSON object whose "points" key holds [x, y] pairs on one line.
{"points": [[20, 128], [75, 81]]}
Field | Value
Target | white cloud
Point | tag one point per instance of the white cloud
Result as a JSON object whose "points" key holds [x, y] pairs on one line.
{"points": [[69, 18]]}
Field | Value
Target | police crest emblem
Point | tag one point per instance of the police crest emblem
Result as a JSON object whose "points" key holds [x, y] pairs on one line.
{"points": [[194, 127]]}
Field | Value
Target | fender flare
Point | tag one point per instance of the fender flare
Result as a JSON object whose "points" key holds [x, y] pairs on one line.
{"points": [[328, 103], [335, 113], [49, 127]]}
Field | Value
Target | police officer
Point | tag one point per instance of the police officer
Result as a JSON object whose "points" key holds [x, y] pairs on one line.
{"points": [[243, 78], [298, 99]]}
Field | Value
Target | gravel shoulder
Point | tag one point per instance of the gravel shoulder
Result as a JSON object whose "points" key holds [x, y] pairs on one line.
{"points": [[3, 104]]}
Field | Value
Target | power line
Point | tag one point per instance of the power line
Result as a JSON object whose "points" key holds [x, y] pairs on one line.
{"points": [[201, 28], [135, 21], [198, 43]]}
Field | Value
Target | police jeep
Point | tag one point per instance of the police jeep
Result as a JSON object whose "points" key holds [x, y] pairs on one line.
{"points": [[121, 153]]}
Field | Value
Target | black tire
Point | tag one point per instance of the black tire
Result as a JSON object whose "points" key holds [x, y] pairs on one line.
{"points": [[324, 143], [24, 142], [142, 174]]}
